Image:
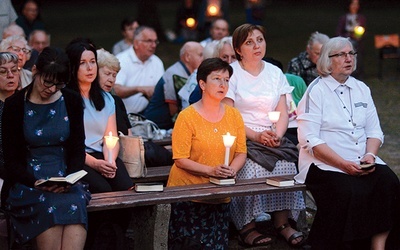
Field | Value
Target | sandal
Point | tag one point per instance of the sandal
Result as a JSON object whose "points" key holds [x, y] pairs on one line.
{"points": [[294, 236], [256, 241]]}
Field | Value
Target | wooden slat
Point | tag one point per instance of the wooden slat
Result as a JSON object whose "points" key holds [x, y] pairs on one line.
{"points": [[124, 199]]}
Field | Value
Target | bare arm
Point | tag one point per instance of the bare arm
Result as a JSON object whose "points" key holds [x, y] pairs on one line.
{"points": [[125, 91]]}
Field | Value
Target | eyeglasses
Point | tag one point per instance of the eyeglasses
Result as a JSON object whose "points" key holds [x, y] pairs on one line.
{"points": [[4, 72], [150, 41], [49, 84], [344, 54], [18, 49]]}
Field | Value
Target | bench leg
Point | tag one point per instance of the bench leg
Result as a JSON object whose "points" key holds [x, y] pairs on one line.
{"points": [[150, 227]]}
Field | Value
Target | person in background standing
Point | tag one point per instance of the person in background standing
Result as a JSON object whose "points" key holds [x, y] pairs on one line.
{"points": [[128, 27], [346, 28], [29, 17]]}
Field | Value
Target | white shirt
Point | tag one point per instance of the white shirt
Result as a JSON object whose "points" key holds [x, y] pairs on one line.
{"points": [[187, 89], [341, 115], [255, 96], [137, 73]]}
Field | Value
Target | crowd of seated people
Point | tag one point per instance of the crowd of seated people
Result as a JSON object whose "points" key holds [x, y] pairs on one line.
{"points": [[223, 82]]}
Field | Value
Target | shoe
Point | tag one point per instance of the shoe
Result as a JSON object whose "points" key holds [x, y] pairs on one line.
{"points": [[294, 236], [243, 236]]}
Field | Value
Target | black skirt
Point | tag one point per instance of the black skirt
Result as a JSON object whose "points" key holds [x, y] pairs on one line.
{"points": [[351, 209]]}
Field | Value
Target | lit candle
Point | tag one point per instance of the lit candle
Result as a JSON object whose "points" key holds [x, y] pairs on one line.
{"points": [[359, 31], [274, 118], [190, 22], [111, 141], [228, 142]]}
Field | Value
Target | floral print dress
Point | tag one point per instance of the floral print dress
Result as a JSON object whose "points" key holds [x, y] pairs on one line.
{"points": [[46, 127]]}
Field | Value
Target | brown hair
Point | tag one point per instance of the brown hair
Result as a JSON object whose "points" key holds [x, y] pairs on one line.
{"points": [[240, 35]]}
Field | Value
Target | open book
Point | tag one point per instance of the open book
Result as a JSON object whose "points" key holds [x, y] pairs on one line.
{"points": [[281, 181], [63, 181], [149, 187], [222, 181]]}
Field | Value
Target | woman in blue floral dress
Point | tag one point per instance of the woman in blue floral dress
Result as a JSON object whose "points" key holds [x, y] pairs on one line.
{"points": [[43, 136]]}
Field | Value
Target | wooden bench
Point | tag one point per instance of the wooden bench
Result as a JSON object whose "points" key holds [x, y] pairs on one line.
{"points": [[150, 213], [125, 199]]}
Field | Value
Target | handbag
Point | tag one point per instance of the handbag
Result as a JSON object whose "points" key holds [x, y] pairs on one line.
{"points": [[143, 127], [131, 152]]}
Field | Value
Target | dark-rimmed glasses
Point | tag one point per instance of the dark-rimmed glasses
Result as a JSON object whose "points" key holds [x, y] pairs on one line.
{"points": [[344, 54], [49, 84]]}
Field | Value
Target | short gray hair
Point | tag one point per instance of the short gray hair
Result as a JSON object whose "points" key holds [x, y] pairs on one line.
{"points": [[106, 59], [221, 43], [317, 37], [8, 57], [140, 29], [335, 44]]}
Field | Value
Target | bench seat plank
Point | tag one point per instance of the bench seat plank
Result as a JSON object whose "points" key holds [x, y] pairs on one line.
{"points": [[124, 199]]}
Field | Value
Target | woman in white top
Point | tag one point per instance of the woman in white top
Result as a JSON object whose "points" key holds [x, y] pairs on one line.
{"points": [[338, 130], [255, 88]]}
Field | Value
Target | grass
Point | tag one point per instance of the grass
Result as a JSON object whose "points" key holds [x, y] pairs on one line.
{"points": [[288, 24]]}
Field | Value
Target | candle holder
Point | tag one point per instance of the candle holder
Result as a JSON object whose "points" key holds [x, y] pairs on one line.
{"points": [[274, 118], [228, 142], [111, 141]]}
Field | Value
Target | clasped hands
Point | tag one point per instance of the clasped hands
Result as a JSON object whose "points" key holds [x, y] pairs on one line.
{"points": [[268, 138], [105, 168], [224, 171]]}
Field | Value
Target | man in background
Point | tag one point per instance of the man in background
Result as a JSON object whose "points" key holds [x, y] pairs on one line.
{"points": [[165, 104], [140, 70], [219, 29], [304, 65]]}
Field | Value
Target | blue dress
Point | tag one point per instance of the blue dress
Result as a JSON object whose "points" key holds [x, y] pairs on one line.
{"points": [[46, 127]]}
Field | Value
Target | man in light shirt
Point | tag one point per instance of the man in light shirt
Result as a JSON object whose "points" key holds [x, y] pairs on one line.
{"points": [[140, 70]]}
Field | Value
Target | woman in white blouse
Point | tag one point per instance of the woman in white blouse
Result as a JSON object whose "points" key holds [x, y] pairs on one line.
{"points": [[338, 129]]}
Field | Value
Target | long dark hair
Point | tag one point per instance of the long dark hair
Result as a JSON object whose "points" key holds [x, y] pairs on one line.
{"points": [[74, 51]]}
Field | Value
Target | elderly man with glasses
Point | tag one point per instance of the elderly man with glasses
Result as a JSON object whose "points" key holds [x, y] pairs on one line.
{"points": [[140, 70]]}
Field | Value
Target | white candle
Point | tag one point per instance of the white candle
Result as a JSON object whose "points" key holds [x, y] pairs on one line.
{"points": [[228, 142], [111, 141]]}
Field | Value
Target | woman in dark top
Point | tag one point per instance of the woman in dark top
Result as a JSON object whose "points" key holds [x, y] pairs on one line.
{"points": [[43, 136], [29, 18]]}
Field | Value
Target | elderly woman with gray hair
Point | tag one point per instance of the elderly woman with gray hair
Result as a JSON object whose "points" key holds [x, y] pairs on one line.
{"points": [[108, 69], [339, 132], [19, 46], [9, 76]]}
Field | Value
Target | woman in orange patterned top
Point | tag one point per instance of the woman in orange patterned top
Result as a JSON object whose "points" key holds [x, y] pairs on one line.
{"points": [[198, 151]]}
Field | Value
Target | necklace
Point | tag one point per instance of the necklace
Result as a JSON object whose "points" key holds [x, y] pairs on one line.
{"points": [[350, 112], [212, 118]]}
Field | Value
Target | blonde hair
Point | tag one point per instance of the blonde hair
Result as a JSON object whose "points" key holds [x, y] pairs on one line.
{"points": [[106, 59]]}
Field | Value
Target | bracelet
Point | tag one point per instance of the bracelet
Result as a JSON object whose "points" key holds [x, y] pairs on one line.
{"points": [[371, 154]]}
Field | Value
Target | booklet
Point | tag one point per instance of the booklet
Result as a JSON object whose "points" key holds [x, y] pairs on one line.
{"points": [[149, 187], [63, 181], [281, 181], [222, 181]]}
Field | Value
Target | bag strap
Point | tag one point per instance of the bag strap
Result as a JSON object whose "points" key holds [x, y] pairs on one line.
{"points": [[142, 156]]}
